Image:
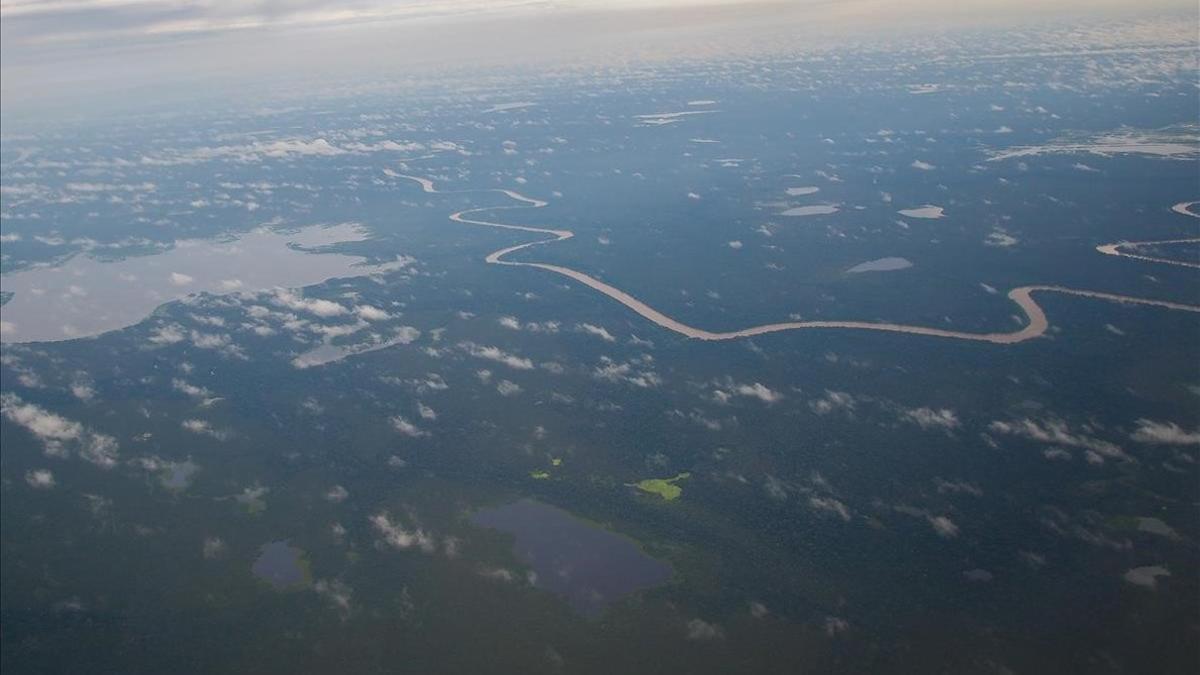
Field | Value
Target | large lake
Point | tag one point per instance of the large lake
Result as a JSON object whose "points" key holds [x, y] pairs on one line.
{"points": [[589, 566], [85, 296]]}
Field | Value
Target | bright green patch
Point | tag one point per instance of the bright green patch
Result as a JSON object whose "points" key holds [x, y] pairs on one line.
{"points": [[539, 475], [663, 487], [556, 461]]}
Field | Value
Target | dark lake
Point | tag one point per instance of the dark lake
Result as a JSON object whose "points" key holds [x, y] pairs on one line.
{"points": [[587, 565], [281, 565]]}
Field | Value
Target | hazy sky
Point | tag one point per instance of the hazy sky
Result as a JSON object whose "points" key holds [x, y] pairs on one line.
{"points": [[49, 22], [55, 48]]}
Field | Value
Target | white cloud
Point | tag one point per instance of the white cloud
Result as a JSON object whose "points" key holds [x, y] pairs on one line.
{"points": [[371, 313], [407, 428], [58, 434], [337, 494], [699, 629], [213, 548], [190, 389], [317, 307], [957, 487], [397, 536], [512, 323], [833, 401], [930, 418], [775, 488], [943, 526], [836, 626], [337, 593], [496, 574], [508, 388], [83, 390], [39, 421], [1164, 433], [1000, 239], [1147, 577], [598, 331], [204, 428], [39, 479], [758, 391], [923, 166], [167, 335], [629, 372], [179, 279], [830, 505], [1054, 431], [498, 355]]}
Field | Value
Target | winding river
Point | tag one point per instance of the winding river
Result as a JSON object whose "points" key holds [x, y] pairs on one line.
{"points": [[1036, 325]]}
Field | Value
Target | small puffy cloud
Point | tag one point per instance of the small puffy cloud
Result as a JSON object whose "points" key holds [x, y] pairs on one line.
{"points": [[508, 388], [1000, 239], [1054, 431], [735, 244], [1146, 577], [512, 323], [923, 166], [426, 412], [759, 391], [836, 626], [337, 593], [337, 494], [957, 487], [179, 279], [829, 505], [833, 401], [213, 548], [1164, 433], [699, 629], [496, 574], [190, 389], [498, 355], [775, 488], [42, 423], [370, 313], [204, 428], [167, 335], [930, 418], [1056, 454], [943, 526], [407, 428], [83, 390], [317, 307], [598, 331], [397, 536], [634, 372], [58, 434], [39, 479]]}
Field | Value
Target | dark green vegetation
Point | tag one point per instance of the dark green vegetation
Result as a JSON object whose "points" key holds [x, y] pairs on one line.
{"points": [[852, 502]]}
